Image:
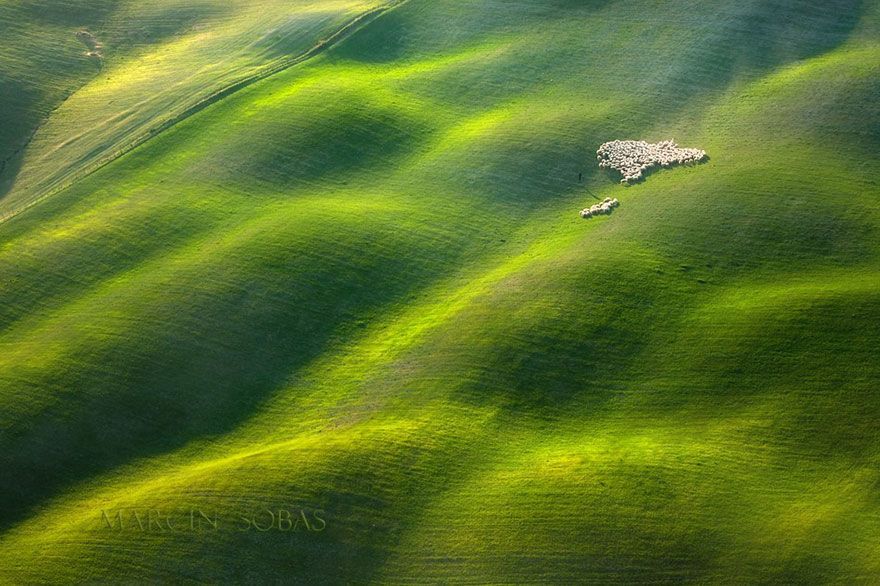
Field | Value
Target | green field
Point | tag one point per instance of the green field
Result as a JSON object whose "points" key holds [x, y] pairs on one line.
{"points": [[324, 256]]}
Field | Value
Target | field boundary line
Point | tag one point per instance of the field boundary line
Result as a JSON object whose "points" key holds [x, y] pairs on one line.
{"points": [[341, 34]]}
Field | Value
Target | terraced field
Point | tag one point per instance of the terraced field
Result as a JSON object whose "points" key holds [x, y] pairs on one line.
{"points": [[324, 258]]}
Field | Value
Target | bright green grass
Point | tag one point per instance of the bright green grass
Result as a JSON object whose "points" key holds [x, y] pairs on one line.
{"points": [[361, 285], [159, 60]]}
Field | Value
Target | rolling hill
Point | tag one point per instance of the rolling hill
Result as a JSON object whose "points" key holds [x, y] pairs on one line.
{"points": [[324, 258]]}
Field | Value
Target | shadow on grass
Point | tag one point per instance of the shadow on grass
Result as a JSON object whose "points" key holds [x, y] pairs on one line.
{"points": [[616, 176], [190, 374]]}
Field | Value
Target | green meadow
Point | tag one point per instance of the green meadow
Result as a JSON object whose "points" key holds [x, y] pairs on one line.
{"points": [[324, 258]]}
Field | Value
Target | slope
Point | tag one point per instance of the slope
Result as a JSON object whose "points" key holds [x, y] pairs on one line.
{"points": [[361, 285], [158, 62]]}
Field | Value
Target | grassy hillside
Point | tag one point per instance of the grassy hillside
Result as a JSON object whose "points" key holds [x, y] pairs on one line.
{"points": [[155, 63], [359, 284]]}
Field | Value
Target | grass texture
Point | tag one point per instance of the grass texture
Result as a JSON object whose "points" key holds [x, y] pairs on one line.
{"points": [[356, 282]]}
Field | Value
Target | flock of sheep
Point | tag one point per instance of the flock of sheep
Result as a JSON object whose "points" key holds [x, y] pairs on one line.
{"points": [[600, 208], [633, 157]]}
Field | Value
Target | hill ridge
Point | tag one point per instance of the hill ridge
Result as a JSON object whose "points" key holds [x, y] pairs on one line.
{"points": [[337, 36]]}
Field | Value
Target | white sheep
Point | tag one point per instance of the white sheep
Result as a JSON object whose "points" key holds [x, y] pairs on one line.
{"points": [[632, 158]]}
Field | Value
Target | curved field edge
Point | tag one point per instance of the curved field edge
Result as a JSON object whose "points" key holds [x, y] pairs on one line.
{"points": [[86, 132], [569, 417]]}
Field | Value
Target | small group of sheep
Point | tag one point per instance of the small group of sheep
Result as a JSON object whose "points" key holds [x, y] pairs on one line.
{"points": [[631, 158], [91, 42], [605, 207]]}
